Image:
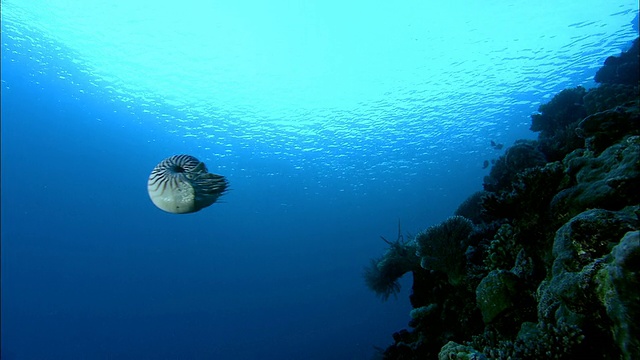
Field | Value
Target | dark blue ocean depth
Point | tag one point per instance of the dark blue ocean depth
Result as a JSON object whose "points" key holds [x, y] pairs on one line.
{"points": [[273, 270]]}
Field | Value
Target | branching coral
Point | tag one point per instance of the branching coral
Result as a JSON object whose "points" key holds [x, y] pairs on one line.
{"points": [[383, 273], [534, 341], [529, 194], [442, 247], [503, 249]]}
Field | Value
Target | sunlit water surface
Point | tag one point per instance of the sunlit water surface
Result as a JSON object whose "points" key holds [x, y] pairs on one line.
{"points": [[354, 87]]}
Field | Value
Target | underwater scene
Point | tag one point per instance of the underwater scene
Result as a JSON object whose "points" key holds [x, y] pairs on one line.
{"points": [[320, 180]]}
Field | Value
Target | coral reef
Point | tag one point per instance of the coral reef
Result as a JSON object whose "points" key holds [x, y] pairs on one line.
{"points": [[442, 247], [471, 208], [545, 262], [607, 96], [605, 128], [565, 108], [617, 287], [522, 155], [382, 274], [623, 69], [556, 122], [503, 249], [610, 180]]}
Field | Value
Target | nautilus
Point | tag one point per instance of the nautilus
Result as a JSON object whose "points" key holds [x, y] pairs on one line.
{"points": [[181, 184]]}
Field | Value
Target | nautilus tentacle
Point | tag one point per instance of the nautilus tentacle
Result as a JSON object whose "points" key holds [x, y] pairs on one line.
{"points": [[181, 184]]}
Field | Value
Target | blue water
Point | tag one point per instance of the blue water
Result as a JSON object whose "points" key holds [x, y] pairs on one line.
{"points": [[331, 122]]}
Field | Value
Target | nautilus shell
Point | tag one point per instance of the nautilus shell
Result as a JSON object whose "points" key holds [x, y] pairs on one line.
{"points": [[181, 184]]}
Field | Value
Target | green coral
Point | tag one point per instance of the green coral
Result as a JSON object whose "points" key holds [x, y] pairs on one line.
{"points": [[547, 341], [589, 236], [534, 341], [423, 315], [453, 350], [610, 180], [578, 290], [618, 284], [496, 294]]}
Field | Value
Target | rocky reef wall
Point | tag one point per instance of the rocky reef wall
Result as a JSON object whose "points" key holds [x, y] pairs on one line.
{"points": [[545, 262]]}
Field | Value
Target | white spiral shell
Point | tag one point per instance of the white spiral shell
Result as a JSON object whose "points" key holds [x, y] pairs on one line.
{"points": [[181, 184]]}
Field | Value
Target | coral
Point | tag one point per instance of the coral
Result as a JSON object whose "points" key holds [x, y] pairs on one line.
{"points": [[455, 351], [573, 293], [605, 128], [471, 208], [617, 286], [382, 277], [522, 155], [442, 247], [556, 121], [609, 181], [436, 316], [553, 259], [545, 341], [382, 274], [608, 96], [503, 249], [589, 236], [496, 294], [423, 315], [621, 69], [404, 347], [565, 108], [528, 196], [524, 267], [534, 341]]}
